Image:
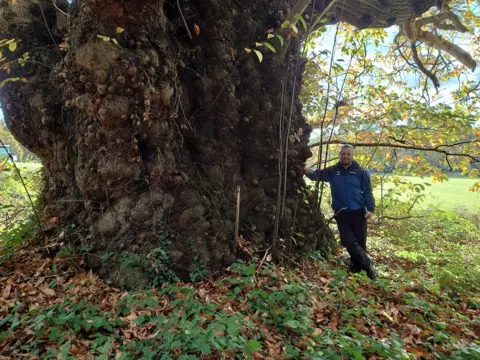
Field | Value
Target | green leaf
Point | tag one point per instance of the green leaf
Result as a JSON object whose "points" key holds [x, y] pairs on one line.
{"points": [[204, 348], [105, 348], [12, 46], [294, 28], [54, 333], [98, 322], [293, 324], [269, 47], [65, 348], [8, 80], [175, 344], [269, 36], [254, 345], [280, 37], [357, 355], [300, 18], [259, 55]]}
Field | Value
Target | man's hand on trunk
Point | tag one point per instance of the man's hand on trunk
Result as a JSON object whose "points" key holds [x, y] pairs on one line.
{"points": [[368, 215]]}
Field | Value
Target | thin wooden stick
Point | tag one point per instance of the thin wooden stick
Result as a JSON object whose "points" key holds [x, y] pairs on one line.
{"points": [[237, 220], [184, 21], [263, 260]]}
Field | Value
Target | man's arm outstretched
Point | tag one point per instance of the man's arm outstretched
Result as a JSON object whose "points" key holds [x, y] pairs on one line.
{"points": [[321, 175]]}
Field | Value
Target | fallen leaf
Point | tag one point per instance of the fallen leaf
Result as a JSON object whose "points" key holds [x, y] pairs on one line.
{"points": [[48, 291], [333, 324], [52, 220], [6, 292], [418, 351], [218, 332], [196, 28]]}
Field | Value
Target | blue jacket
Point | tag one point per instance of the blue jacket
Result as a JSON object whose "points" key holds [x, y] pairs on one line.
{"points": [[351, 188]]}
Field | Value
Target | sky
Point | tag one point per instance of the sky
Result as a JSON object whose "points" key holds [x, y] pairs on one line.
{"points": [[446, 88]]}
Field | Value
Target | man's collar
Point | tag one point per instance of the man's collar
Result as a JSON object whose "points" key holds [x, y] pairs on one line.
{"points": [[352, 164]]}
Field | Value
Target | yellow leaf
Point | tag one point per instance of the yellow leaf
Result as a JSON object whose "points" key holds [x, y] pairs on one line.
{"points": [[248, 50], [269, 47], [12, 46], [14, 2], [259, 55], [103, 37], [119, 30], [257, 44]]}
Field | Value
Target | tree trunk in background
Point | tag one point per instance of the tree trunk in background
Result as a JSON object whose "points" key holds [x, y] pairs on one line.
{"points": [[151, 136]]}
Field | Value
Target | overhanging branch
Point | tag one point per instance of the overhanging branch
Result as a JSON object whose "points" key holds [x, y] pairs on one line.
{"points": [[422, 67], [410, 147]]}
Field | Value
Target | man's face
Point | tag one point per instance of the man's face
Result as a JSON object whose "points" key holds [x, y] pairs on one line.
{"points": [[346, 156]]}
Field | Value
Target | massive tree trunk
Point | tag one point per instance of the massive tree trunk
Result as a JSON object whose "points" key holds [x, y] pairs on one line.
{"points": [[150, 115]]}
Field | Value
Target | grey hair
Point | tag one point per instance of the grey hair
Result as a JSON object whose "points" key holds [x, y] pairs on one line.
{"points": [[346, 146]]}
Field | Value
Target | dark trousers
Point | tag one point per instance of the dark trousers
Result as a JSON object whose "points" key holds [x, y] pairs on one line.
{"points": [[352, 226]]}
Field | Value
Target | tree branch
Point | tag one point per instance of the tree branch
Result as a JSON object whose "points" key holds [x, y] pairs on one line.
{"points": [[402, 217], [409, 147], [422, 67]]}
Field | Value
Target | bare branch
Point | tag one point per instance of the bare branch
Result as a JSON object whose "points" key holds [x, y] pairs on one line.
{"points": [[402, 217], [448, 162], [413, 30], [422, 67], [410, 147]]}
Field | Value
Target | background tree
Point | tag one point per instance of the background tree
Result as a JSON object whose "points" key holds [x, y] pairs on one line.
{"points": [[148, 115]]}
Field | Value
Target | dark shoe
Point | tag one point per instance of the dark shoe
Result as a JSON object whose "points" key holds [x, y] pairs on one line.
{"points": [[371, 275], [354, 269]]}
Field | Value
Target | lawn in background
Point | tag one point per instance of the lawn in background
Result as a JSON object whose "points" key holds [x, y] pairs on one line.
{"points": [[450, 194], [28, 166]]}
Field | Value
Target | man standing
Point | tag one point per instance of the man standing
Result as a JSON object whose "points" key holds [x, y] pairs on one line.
{"points": [[353, 204]]}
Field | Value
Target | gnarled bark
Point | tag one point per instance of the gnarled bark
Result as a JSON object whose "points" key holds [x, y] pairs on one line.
{"points": [[145, 132]]}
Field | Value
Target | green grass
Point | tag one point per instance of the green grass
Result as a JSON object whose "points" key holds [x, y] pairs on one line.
{"points": [[28, 166], [447, 195]]}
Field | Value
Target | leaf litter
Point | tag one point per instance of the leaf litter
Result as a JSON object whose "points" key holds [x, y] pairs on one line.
{"points": [[51, 307]]}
